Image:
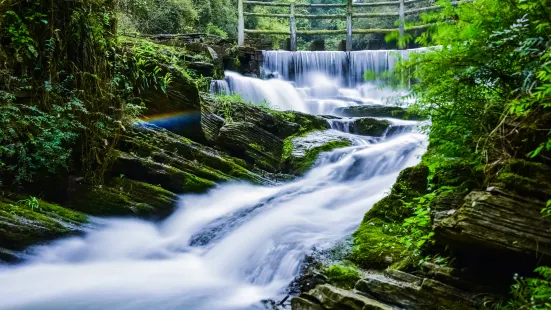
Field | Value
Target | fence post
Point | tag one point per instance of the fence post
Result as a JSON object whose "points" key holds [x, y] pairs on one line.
{"points": [[349, 25], [402, 21], [293, 43], [240, 24]]}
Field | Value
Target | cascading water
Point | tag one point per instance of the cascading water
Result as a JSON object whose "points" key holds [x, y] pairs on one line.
{"points": [[228, 249], [239, 244], [317, 82]]}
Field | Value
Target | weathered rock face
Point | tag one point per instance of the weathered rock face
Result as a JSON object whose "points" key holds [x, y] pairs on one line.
{"points": [[327, 297], [163, 153], [411, 292], [496, 220], [24, 222], [370, 126], [375, 111], [300, 153], [123, 197], [247, 140], [388, 290], [253, 133]]}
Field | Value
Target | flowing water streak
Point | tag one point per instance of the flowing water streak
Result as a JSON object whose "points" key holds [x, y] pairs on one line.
{"points": [[317, 82], [347, 67], [227, 249]]}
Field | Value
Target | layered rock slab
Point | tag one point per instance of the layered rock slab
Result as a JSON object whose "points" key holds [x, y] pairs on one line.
{"points": [[495, 220]]}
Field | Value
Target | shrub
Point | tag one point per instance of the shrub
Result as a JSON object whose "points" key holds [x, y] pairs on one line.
{"points": [[343, 276], [160, 16]]}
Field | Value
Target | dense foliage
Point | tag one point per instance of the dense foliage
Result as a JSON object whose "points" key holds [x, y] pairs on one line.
{"points": [[67, 88], [217, 17], [485, 84]]}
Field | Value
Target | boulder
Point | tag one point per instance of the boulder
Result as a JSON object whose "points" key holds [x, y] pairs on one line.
{"points": [[411, 292], [123, 197], [25, 221], [376, 110], [327, 297], [279, 123], [497, 221], [251, 142], [367, 126], [163, 150], [301, 153]]}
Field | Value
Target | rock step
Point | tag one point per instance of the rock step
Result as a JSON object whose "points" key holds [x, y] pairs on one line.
{"points": [[327, 297], [411, 292], [388, 290], [495, 220], [376, 110]]}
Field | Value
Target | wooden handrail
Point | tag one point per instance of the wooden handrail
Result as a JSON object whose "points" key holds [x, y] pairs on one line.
{"points": [[349, 15]]}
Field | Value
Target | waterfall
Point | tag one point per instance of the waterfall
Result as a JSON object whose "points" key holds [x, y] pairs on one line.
{"points": [[239, 244], [317, 82], [228, 249]]}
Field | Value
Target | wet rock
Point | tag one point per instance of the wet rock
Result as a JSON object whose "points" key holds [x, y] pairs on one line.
{"points": [[248, 141], [163, 152], [25, 221], [301, 153], [124, 197], [496, 220], [376, 111], [369, 126], [411, 292], [279, 123], [327, 297]]}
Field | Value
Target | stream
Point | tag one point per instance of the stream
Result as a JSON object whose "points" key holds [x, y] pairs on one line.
{"points": [[238, 244]]}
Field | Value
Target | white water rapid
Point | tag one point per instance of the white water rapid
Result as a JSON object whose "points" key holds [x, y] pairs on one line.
{"points": [[227, 249], [237, 245]]}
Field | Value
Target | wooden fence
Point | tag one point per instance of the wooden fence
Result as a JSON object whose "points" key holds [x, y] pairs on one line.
{"points": [[400, 14]]}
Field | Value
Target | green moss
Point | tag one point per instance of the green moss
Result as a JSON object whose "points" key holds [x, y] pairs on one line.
{"points": [[256, 147], [300, 165], [411, 183], [124, 197], [371, 127], [377, 244], [342, 276], [24, 226]]}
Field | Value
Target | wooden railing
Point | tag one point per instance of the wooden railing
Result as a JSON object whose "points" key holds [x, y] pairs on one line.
{"points": [[400, 14]]}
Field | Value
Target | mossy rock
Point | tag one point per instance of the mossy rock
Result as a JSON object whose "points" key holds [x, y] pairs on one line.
{"points": [[123, 197], [25, 221], [300, 153], [411, 183], [368, 126], [252, 143], [525, 178], [377, 111], [377, 244], [343, 276], [154, 144], [164, 175], [457, 173], [279, 123]]}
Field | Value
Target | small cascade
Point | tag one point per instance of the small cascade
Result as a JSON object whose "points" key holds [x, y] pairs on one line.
{"points": [[399, 127], [279, 94], [317, 82], [340, 124], [219, 87]]}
